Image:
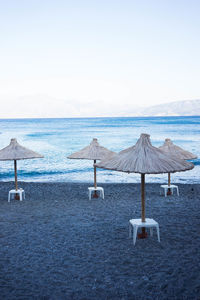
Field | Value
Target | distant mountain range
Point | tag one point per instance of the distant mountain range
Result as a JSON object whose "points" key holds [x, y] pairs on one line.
{"points": [[44, 106], [178, 108]]}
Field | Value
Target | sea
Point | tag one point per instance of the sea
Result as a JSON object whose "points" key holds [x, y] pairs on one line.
{"points": [[58, 138]]}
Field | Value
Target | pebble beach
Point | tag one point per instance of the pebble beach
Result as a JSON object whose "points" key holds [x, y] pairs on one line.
{"points": [[56, 244]]}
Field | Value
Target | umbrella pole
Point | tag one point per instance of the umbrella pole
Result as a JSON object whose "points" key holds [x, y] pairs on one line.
{"points": [[143, 196], [15, 165], [169, 183], [16, 186], [95, 195], [143, 234]]}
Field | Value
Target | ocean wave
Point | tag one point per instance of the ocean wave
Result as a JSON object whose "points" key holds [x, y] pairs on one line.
{"points": [[186, 120], [42, 134], [196, 162], [38, 173]]}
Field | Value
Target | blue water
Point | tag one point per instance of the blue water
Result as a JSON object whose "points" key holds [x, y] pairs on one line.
{"points": [[58, 138]]}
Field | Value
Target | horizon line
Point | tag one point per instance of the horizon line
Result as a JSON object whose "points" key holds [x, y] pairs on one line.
{"points": [[103, 117]]}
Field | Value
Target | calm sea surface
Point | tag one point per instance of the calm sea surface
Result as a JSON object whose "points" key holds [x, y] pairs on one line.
{"points": [[58, 138]]}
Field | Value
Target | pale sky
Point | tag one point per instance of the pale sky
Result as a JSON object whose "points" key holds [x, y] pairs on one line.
{"points": [[93, 58]]}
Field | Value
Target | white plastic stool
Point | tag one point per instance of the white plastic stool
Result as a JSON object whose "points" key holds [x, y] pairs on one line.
{"points": [[93, 189], [136, 223], [21, 193], [172, 187]]}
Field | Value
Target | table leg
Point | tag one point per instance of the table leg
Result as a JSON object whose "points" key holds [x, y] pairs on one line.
{"points": [[158, 233], [135, 228], [151, 231]]}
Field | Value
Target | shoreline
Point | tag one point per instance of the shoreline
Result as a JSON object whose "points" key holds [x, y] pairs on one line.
{"points": [[56, 244], [91, 183]]}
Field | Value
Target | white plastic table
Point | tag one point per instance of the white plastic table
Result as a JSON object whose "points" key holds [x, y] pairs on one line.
{"points": [[171, 187], [12, 193], [134, 224], [93, 189]]}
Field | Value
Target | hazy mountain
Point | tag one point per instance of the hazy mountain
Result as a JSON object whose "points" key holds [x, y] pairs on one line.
{"points": [[178, 108], [44, 106]]}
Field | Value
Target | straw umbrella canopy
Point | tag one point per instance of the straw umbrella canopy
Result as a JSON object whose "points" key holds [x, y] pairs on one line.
{"points": [[14, 151], [92, 152], [173, 150], [143, 158]]}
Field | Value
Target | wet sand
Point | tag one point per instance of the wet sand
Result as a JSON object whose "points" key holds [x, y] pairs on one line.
{"points": [[56, 244]]}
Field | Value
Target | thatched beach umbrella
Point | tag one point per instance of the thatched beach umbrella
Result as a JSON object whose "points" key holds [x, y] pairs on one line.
{"points": [[173, 150], [14, 151], [143, 158], [92, 152]]}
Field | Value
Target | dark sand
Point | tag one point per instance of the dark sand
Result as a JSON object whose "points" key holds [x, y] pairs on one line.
{"points": [[59, 245]]}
